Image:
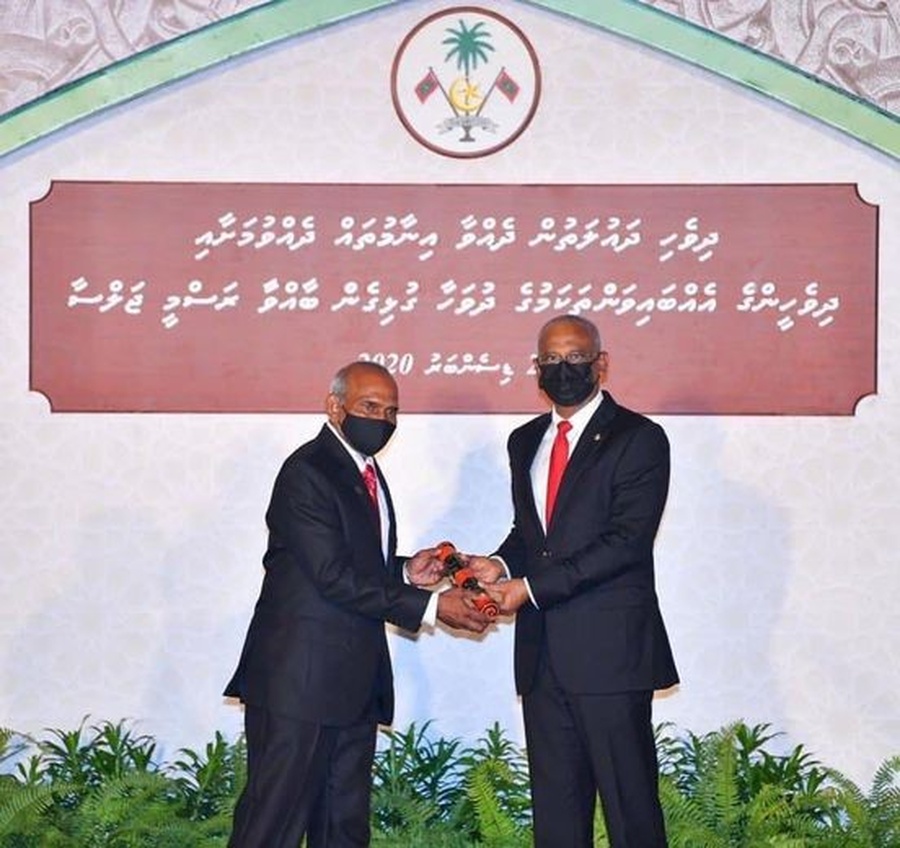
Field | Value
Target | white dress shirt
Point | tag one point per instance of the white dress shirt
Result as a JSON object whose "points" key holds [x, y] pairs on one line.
{"points": [[430, 616], [361, 460], [540, 467]]}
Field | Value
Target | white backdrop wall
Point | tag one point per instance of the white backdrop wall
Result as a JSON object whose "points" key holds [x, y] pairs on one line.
{"points": [[130, 544]]}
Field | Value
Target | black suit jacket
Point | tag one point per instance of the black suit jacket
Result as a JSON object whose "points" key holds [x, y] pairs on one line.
{"points": [[316, 647], [592, 573]]}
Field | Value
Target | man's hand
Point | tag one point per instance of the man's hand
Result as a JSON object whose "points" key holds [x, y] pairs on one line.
{"points": [[456, 609], [509, 595], [485, 569], [424, 568]]}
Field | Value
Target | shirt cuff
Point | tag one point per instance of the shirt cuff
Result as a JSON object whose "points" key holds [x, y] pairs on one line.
{"points": [[429, 619], [530, 595], [524, 579], [503, 563]]}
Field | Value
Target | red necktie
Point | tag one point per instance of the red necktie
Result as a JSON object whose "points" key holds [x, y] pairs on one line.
{"points": [[371, 480], [559, 456]]}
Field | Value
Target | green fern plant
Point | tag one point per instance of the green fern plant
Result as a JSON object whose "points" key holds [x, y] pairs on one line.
{"points": [[12, 745], [865, 820], [20, 802], [123, 810], [139, 810], [99, 787], [84, 758], [440, 835], [416, 779], [209, 783], [496, 806], [601, 835], [492, 823], [725, 790]]}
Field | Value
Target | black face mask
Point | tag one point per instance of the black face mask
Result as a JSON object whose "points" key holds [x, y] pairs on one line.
{"points": [[367, 435], [566, 384]]}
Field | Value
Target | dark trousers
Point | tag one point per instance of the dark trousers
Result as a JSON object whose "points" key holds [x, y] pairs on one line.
{"points": [[582, 745], [304, 779]]}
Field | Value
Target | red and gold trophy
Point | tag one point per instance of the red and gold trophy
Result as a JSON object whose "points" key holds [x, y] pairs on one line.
{"points": [[463, 576]]}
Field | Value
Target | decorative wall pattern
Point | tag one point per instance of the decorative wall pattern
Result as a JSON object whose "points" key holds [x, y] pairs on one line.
{"points": [[851, 44], [45, 44], [130, 545]]}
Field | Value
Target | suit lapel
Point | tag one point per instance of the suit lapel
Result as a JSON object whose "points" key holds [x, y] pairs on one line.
{"points": [[522, 462], [592, 442], [392, 523], [346, 474]]}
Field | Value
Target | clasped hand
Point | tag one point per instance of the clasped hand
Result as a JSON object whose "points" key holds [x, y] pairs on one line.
{"points": [[426, 570], [456, 608], [508, 594]]}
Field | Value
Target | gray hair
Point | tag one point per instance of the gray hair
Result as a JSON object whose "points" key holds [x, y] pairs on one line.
{"points": [[589, 327], [339, 381]]}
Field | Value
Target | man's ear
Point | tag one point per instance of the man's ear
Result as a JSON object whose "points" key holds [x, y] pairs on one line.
{"points": [[602, 366], [333, 408]]}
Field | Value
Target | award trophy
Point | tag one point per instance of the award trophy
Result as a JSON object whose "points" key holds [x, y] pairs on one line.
{"points": [[462, 576]]}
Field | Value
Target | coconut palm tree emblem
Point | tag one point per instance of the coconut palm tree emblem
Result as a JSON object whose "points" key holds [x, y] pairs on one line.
{"points": [[446, 77], [469, 47]]}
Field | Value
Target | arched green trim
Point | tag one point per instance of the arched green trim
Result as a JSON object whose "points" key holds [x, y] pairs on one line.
{"points": [[171, 61], [281, 19], [749, 68]]}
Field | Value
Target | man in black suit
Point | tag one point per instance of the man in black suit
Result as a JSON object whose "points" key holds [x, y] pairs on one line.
{"points": [[590, 644], [315, 674]]}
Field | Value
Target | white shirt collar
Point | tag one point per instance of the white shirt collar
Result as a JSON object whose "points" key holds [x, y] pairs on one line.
{"points": [[359, 458], [580, 419]]}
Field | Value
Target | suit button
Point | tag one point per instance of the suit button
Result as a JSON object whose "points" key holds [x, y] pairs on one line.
{"points": [[546, 554]]}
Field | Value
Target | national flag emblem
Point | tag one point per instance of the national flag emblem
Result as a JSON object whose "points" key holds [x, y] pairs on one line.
{"points": [[508, 86], [465, 82], [427, 86]]}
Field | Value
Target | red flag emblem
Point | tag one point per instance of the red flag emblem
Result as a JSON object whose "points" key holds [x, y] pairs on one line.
{"points": [[427, 86], [507, 85]]}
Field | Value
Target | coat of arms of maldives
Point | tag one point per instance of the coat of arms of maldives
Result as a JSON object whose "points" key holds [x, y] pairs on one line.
{"points": [[465, 82]]}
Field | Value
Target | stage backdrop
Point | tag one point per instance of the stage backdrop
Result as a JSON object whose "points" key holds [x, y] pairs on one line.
{"points": [[131, 542], [192, 297]]}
